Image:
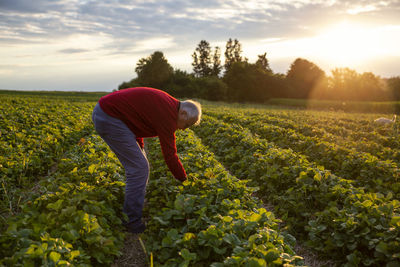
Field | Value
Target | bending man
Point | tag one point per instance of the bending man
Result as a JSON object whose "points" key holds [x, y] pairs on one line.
{"points": [[123, 118]]}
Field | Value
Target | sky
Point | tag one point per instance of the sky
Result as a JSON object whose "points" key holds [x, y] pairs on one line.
{"points": [[84, 45]]}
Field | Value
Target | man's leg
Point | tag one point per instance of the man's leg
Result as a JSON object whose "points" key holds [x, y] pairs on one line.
{"points": [[122, 141]]}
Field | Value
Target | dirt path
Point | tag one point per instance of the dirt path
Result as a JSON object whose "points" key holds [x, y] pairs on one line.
{"points": [[310, 258], [132, 253]]}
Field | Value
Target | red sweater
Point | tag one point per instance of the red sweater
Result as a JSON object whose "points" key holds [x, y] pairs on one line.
{"points": [[148, 112]]}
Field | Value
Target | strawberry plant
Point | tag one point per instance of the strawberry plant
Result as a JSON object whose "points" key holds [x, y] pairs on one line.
{"points": [[304, 194], [366, 170], [78, 220], [211, 219], [331, 177], [34, 134]]}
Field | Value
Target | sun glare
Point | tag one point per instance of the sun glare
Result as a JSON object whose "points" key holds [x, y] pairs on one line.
{"points": [[347, 44]]}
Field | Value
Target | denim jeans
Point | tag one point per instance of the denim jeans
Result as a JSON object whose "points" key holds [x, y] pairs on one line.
{"points": [[122, 142]]}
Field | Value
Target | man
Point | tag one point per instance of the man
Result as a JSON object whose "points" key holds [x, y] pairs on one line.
{"points": [[123, 118]]}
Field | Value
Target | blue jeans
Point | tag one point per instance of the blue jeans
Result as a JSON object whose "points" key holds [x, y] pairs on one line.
{"points": [[122, 142]]}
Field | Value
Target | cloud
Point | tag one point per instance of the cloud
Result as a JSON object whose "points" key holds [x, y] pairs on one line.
{"points": [[131, 29], [37, 6], [73, 51], [124, 21]]}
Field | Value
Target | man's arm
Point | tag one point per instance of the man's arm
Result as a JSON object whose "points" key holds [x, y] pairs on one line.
{"points": [[168, 148]]}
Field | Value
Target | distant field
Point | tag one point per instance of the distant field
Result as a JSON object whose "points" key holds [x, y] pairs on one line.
{"points": [[391, 107], [388, 107], [71, 96], [263, 179]]}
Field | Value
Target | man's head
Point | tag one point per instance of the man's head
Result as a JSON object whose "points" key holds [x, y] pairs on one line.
{"points": [[189, 114]]}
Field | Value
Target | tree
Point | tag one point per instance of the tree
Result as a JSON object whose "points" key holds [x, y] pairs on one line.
{"points": [[347, 84], [182, 84], [263, 63], [371, 88], [247, 82], [216, 69], [393, 85], [202, 60], [132, 83], [233, 50], [154, 71], [211, 88], [305, 77]]}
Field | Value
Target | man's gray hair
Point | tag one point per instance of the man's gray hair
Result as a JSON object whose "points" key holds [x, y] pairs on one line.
{"points": [[193, 110]]}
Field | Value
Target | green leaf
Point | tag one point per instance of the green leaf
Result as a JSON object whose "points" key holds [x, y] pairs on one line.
{"points": [[255, 262], [24, 232], [74, 234], [54, 256], [31, 249], [160, 220], [187, 255], [382, 247], [74, 254], [173, 234], [218, 250], [354, 259], [166, 242], [179, 203], [367, 203], [56, 205], [227, 219], [45, 246], [231, 239], [395, 220], [271, 255], [317, 177], [255, 217], [92, 168]]}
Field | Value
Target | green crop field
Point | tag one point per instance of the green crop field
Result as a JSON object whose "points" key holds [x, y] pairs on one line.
{"points": [[261, 181]]}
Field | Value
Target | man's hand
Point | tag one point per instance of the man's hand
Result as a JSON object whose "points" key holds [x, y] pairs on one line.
{"points": [[182, 179]]}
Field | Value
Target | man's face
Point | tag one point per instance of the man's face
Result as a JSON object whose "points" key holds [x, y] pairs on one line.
{"points": [[183, 120]]}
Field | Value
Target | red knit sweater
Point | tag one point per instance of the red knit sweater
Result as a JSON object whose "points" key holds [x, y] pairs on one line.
{"points": [[148, 112]]}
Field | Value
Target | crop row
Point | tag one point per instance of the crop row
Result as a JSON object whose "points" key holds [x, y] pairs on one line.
{"points": [[366, 170], [34, 134], [385, 147], [353, 127], [77, 219], [211, 219], [359, 129], [348, 121], [349, 127], [335, 217]]}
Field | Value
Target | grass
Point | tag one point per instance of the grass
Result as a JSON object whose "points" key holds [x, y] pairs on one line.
{"points": [[70, 95], [388, 107]]}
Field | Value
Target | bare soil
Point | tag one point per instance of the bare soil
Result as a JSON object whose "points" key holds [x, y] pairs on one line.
{"points": [[132, 253]]}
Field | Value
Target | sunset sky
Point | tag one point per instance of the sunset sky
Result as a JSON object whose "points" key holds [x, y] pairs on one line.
{"points": [[95, 45]]}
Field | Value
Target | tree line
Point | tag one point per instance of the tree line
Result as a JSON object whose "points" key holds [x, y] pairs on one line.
{"points": [[238, 80]]}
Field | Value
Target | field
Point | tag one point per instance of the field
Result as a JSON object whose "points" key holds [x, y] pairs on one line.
{"points": [[263, 180]]}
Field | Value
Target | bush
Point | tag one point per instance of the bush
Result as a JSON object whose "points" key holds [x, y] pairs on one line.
{"points": [[211, 88]]}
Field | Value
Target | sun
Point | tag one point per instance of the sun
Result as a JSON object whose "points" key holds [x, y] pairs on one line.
{"points": [[346, 44], [343, 44]]}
